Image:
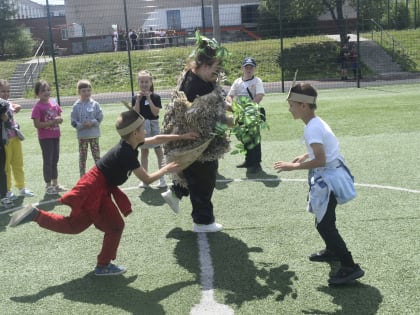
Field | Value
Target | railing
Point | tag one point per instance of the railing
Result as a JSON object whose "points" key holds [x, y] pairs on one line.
{"points": [[386, 40], [394, 48], [31, 72]]}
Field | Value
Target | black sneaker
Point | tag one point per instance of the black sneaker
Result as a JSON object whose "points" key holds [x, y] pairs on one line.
{"points": [[347, 274], [323, 256], [254, 169]]}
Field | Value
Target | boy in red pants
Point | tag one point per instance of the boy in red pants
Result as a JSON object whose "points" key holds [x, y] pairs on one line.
{"points": [[92, 198]]}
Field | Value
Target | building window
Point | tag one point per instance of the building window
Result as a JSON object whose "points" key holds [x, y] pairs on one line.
{"points": [[64, 34], [249, 13]]}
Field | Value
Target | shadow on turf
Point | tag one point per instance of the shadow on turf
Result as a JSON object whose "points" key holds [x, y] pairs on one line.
{"points": [[268, 180], [352, 298], [152, 196], [113, 291], [5, 217], [234, 272], [355, 298]]}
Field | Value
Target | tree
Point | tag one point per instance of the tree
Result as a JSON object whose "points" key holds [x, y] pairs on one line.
{"points": [[8, 27], [302, 9]]}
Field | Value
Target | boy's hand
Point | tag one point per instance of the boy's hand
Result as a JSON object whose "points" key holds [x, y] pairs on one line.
{"points": [[284, 166], [190, 136], [172, 167]]}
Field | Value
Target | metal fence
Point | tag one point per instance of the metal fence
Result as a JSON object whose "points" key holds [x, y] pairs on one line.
{"points": [[351, 47]]}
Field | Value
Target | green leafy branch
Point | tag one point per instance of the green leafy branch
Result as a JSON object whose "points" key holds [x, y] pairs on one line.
{"points": [[249, 121]]}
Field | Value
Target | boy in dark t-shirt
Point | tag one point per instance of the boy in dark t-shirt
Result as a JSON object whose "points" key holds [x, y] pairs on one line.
{"points": [[92, 198]]}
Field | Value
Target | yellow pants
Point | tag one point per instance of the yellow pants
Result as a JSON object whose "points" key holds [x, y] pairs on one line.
{"points": [[14, 163]]}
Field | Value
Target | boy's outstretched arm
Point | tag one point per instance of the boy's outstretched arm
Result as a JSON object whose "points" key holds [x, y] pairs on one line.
{"points": [[158, 139]]}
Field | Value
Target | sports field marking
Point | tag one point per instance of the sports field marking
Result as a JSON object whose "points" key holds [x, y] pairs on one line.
{"points": [[238, 180], [207, 303]]}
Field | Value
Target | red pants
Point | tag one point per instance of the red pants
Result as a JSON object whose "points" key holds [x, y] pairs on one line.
{"points": [[110, 223], [91, 203]]}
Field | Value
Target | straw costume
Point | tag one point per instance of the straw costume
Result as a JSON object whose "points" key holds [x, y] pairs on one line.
{"points": [[198, 105]]}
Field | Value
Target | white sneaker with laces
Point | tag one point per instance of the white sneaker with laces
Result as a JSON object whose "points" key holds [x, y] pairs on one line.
{"points": [[25, 192], [204, 228], [171, 200]]}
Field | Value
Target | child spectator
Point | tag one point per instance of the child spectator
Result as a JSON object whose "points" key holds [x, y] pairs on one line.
{"points": [[330, 181], [148, 104], [248, 85], [46, 115], [86, 116], [4, 119], [96, 198], [13, 148]]}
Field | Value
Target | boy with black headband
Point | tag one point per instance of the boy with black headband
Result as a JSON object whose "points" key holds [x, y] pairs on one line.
{"points": [[329, 178], [92, 198]]}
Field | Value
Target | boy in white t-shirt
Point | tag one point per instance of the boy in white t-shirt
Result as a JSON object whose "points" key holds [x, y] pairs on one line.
{"points": [[252, 87], [329, 178]]}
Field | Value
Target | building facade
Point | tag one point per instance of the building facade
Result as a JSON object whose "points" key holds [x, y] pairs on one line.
{"points": [[27, 9], [98, 18]]}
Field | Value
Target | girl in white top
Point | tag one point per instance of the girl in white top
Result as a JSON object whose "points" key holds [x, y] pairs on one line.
{"points": [[330, 180]]}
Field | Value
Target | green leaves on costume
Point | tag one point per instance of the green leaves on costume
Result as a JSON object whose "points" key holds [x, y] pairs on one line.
{"points": [[203, 44], [249, 122]]}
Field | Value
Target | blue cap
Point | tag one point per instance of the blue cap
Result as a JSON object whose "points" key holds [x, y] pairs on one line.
{"points": [[249, 61]]}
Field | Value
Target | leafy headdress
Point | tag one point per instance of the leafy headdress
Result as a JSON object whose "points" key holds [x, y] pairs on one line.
{"points": [[210, 48]]}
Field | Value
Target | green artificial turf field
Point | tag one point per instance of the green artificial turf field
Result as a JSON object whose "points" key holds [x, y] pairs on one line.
{"points": [[260, 260]]}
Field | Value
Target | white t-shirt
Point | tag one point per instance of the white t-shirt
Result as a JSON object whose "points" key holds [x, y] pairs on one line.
{"points": [[239, 87], [318, 131]]}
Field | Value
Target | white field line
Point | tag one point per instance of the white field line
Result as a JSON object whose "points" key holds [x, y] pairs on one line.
{"points": [[207, 305]]}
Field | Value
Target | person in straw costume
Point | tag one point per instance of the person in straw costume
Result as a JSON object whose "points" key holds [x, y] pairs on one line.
{"points": [[198, 105]]}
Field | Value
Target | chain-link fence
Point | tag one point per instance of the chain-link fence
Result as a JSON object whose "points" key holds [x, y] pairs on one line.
{"points": [[354, 44]]}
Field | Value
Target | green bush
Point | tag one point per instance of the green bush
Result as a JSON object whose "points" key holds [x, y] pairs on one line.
{"points": [[21, 46]]}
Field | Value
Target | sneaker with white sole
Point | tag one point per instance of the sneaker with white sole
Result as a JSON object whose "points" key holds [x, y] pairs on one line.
{"points": [[204, 228], [25, 215], [171, 199], [25, 192], [6, 202], [110, 270], [59, 188], [50, 190]]}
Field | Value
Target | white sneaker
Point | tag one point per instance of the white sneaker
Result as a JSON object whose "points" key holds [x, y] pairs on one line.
{"points": [[171, 200], [10, 195], [25, 192], [143, 185], [162, 183], [58, 188], [50, 190], [203, 228]]}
